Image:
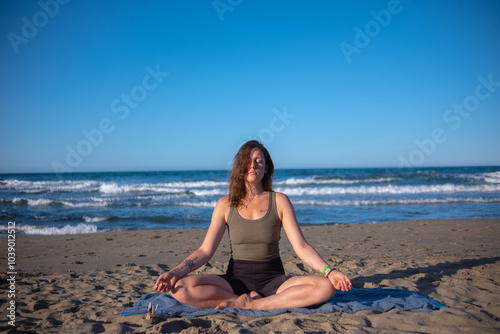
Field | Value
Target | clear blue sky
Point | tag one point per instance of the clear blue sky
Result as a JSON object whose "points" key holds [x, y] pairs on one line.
{"points": [[168, 85]]}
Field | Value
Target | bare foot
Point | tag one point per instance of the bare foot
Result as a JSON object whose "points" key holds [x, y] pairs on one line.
{"points": [[242, 302], [255, 295]]}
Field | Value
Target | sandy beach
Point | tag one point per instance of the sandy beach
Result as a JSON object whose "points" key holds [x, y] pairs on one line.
{"points": [[80, 283]]}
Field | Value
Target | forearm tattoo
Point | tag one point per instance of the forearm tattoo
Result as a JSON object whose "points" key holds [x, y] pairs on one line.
{"points": [[188, 263], [176, 272]]}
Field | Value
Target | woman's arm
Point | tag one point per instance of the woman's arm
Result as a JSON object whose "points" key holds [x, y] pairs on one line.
{"points": [[203, 254], [302, 248]]}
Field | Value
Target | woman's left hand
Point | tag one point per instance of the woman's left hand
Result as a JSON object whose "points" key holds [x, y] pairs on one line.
{"points": [[340, 281]]}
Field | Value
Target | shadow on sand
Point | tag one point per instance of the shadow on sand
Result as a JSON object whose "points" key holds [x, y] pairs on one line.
{"points": [[432, 274]]}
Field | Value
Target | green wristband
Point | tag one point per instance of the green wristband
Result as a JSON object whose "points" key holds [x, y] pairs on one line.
{"points": [[326, 268]]}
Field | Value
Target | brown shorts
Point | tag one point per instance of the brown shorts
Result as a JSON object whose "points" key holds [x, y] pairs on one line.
{"points": [[264, 277]]}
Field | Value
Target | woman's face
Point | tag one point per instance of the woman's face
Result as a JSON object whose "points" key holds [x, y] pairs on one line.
{"points": [[257, 166]]}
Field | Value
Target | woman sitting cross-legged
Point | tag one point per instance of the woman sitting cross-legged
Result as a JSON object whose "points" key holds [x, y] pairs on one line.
{"points": [[255, 278]]}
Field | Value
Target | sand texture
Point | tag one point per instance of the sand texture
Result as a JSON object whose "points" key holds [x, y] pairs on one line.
{"points": [[80, 283]]}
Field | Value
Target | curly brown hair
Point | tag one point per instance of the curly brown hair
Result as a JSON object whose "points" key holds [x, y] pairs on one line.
{"points": [[237, 189]]}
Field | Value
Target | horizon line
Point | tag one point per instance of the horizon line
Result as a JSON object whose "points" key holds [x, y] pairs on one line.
{"points": [[227, 170]]}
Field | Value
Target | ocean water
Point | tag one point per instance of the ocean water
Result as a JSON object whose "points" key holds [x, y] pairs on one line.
{"points": [[94, 202]]}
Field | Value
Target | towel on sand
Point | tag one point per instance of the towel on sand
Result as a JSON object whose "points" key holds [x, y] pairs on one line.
{"points": [[381, 300]]}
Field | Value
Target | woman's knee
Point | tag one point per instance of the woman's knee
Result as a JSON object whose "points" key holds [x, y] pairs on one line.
{"points": [[325, 288], [182, 288]]}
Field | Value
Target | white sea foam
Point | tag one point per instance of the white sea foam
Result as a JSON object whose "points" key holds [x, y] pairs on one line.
{"points": [[92, 202], [115, 188], [389, 189], [31, 202], [201, 204], [52, 230], [194, 184], [493, 177], [314, 180], [39, 202], [212, 192], [421, 201], [159, 198], [88, 219], [48, 186], [88, 202], [108, 188]]}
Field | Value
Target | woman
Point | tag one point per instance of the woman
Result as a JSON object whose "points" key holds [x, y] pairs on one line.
{"points": [[255, 278]]}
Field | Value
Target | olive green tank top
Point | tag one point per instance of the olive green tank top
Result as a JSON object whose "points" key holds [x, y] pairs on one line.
{"points": [[255, 240]]}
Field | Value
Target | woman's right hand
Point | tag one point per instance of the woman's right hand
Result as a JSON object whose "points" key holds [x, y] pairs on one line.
{"points": [[339, 280], [166, 282]]}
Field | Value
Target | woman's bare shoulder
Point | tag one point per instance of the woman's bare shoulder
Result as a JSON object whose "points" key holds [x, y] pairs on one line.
{"points": [[283, 203], [224, 200], [223, 203], [282, 197], [221, 210]]}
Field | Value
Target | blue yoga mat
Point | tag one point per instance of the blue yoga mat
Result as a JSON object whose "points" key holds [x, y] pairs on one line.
{"points": [[376, 299]]}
